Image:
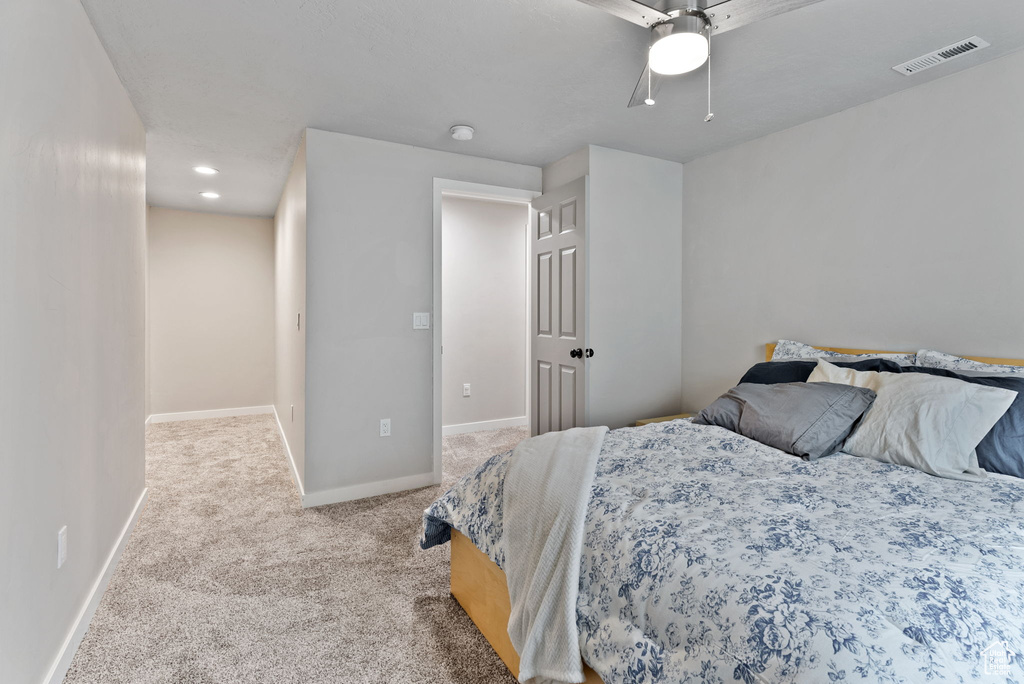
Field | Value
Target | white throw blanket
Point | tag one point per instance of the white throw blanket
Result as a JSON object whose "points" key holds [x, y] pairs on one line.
{"points": [[547, 489]]}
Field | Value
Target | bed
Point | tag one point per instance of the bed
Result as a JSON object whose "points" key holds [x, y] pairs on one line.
{"points": [[710, 557]]}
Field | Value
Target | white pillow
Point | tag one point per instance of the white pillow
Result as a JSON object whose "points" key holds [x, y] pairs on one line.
{"points": [[788, 350], [923, 421], [929, 358]]}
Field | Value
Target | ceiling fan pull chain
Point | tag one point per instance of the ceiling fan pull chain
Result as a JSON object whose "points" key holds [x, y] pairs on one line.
{"points": [[650, 100], [711, 114]]}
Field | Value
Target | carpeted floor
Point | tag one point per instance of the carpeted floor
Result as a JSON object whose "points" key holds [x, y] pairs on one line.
{"points": [[227, 579]]}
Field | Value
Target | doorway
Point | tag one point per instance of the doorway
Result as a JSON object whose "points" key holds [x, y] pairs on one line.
{"points": [[481, 309]]}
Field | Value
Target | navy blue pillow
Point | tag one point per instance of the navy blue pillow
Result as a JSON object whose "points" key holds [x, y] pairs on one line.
{"points": [[1002, 449], [776, 372]]}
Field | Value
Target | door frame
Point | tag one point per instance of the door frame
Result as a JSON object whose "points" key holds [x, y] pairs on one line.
{"points": [[453, 188]]}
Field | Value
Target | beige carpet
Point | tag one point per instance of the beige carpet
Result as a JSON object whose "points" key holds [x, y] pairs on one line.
{"points": [[227, 579]]}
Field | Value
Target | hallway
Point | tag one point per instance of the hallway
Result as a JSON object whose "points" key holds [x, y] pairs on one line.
{"points": [[227, 579]]}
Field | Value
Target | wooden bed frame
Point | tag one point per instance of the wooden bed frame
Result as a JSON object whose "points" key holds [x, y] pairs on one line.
{"points": [[480, 587]]}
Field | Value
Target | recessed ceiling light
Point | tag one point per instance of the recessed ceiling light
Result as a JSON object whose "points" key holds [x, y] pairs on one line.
{"points": [[461, 132], [205, 170], [210, 195]]}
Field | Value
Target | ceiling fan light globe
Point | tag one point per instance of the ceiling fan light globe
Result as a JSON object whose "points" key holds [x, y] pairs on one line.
{"points": [[678, 53]]}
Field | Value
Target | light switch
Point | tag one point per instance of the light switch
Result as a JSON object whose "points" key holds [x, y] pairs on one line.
{"points": [[421, 321]]}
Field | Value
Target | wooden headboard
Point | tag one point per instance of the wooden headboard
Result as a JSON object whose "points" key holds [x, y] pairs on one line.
{"points": [[770, 349]]}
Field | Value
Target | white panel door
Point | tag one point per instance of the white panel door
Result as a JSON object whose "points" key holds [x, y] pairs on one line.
{"points": [[558, 308]]}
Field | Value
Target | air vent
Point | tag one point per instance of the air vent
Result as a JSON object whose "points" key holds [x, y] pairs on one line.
{"points": [[972, 44]]}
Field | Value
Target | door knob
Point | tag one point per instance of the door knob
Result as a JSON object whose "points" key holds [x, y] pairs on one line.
{"points": [[590, 352], [576, 353]]}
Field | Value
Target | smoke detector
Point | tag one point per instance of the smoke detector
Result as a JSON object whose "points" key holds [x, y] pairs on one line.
{"points": [[936, 58], [461, 132]]}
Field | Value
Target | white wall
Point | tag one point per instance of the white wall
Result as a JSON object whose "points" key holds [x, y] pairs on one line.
{"points": [[289, 303], [211, 311], [483, 287], [567, 169], [145, 272], [634, 282], [893, 225], [72, 368], [369, 268], [634, 324]]}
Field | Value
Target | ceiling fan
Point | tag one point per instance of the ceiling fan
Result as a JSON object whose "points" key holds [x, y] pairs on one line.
{"points": [[681, 33]]}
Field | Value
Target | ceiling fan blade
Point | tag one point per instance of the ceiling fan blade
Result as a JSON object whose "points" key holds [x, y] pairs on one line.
{"points": [[640, 93], [631, 11], [732, 14]]}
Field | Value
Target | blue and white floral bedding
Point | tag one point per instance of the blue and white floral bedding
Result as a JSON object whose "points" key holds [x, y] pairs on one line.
{"points": [[709, 557]]}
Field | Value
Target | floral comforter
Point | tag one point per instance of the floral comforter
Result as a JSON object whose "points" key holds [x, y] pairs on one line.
{"points": [[709, 557]]}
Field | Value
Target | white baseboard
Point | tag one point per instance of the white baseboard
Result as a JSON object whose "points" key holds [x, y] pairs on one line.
{"points": [[291, 459], [484, 425], [361, 491], [213, 413], [74, 638]]}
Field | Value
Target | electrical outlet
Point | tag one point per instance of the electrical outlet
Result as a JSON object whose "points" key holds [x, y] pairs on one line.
{"points": [[385, 427], [465, 390], [62, 547]]}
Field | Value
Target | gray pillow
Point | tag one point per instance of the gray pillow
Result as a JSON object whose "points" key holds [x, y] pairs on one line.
{"points": [[809, 420]]}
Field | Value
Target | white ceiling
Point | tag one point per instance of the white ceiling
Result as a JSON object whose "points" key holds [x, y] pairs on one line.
{"points": [[232, 83]]}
